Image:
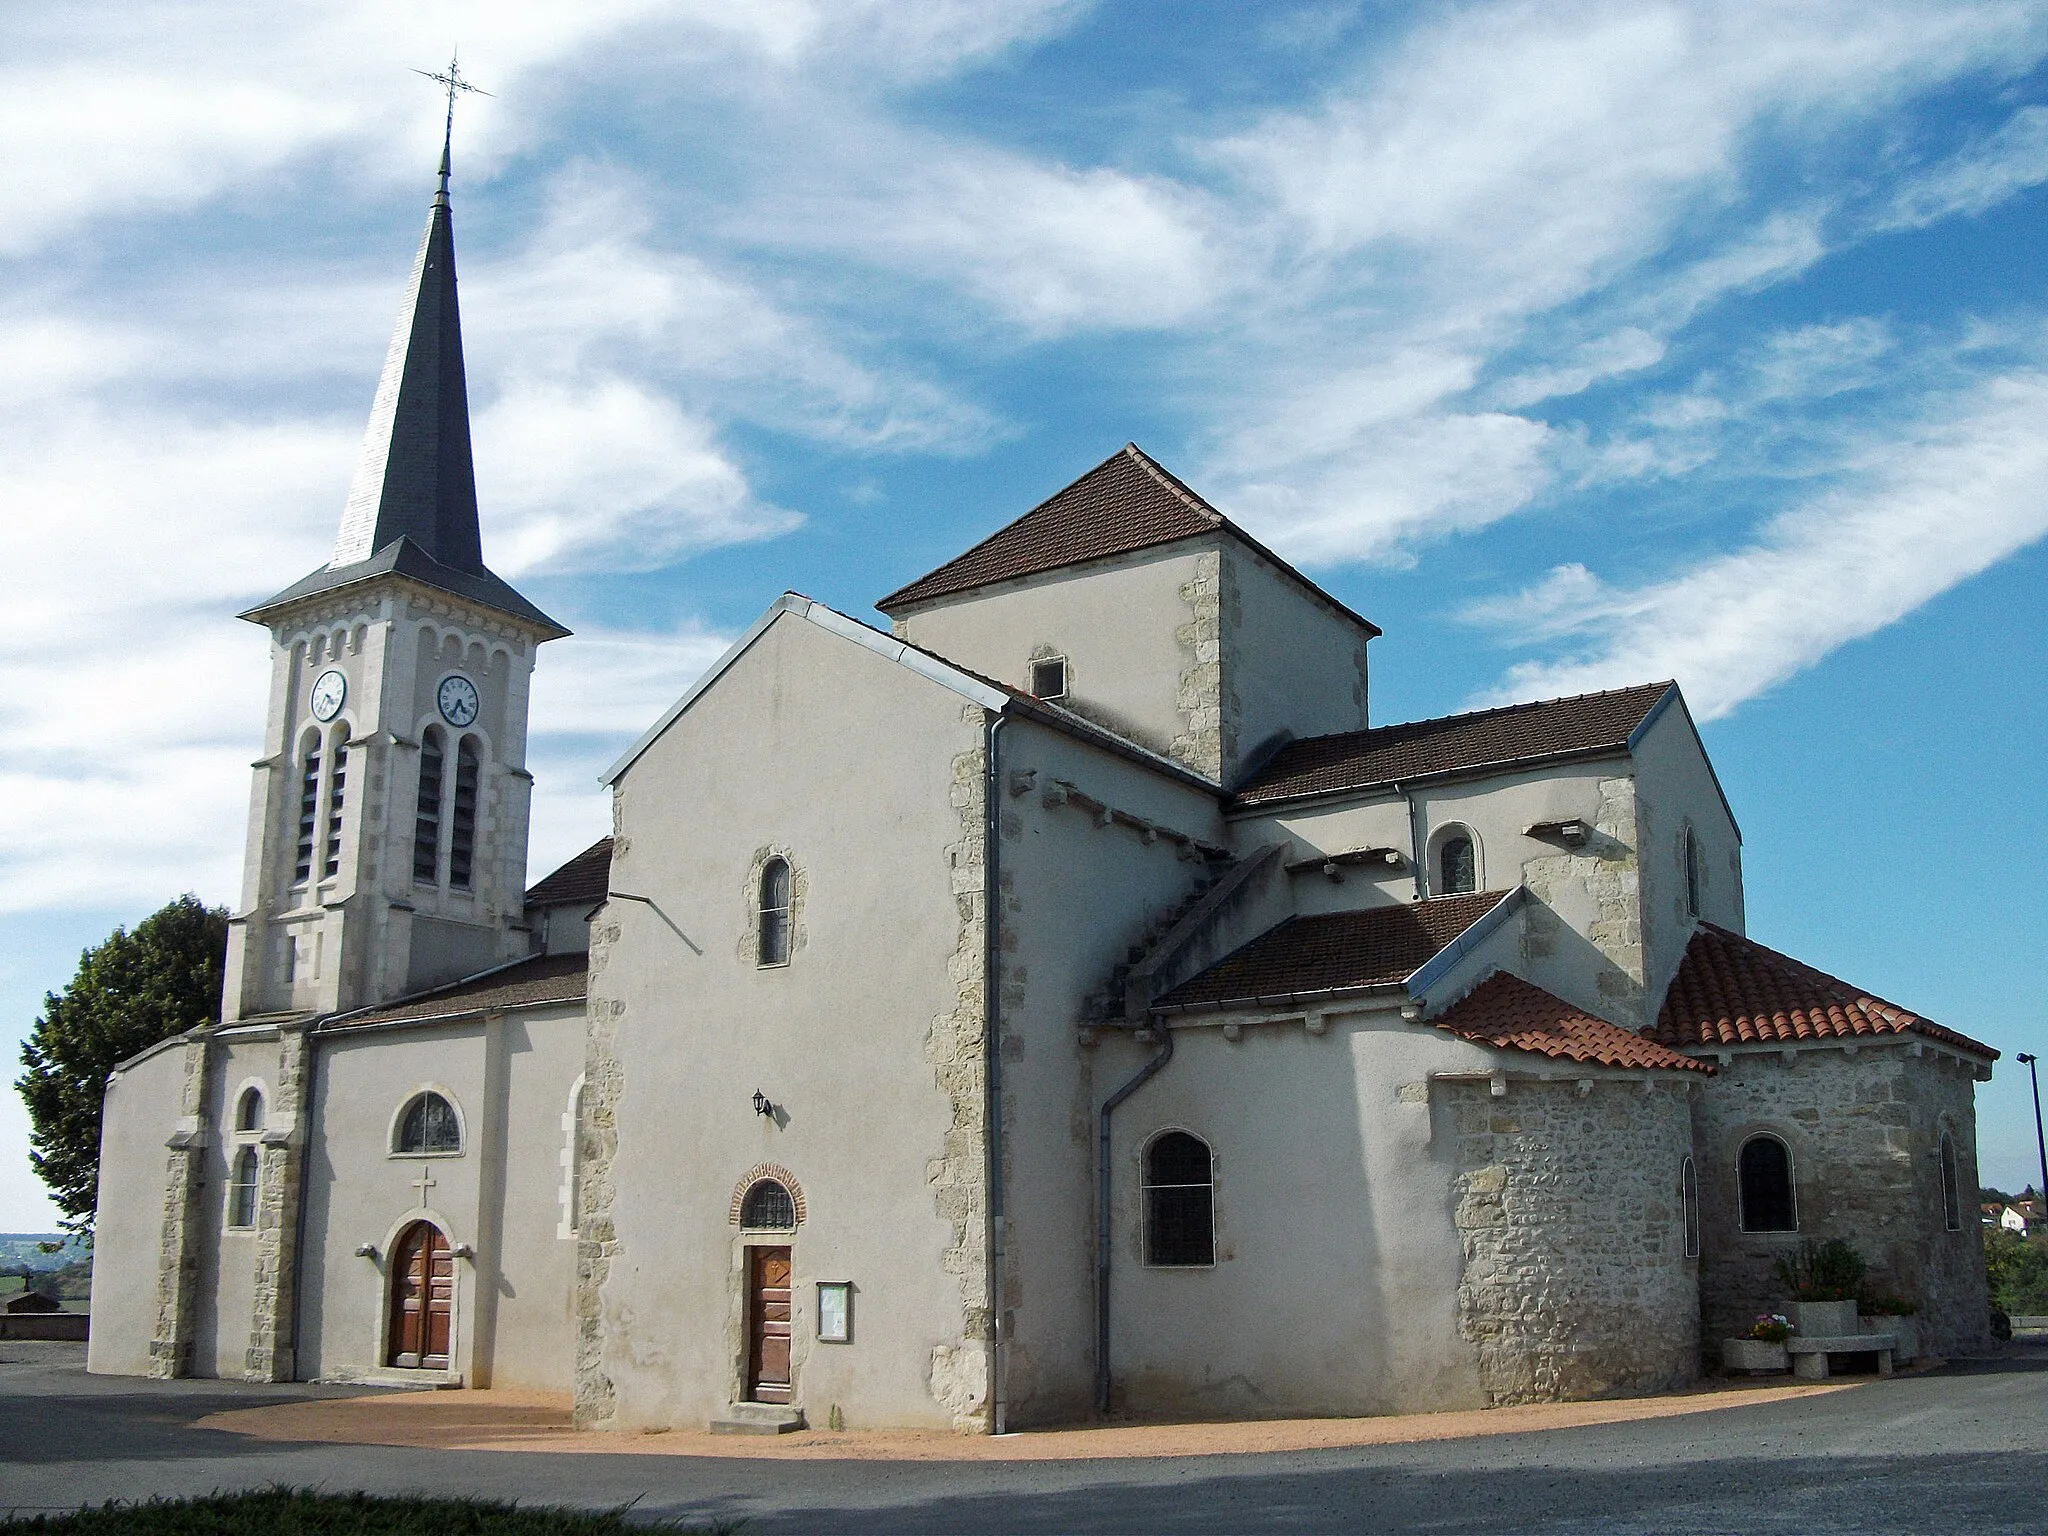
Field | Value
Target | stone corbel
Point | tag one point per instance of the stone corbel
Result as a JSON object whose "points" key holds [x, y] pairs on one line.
{"points": [[189, 1135], [1022, 782], [1498, 1084], [280, 1132]]}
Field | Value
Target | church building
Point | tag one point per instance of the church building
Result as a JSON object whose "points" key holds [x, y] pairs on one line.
{"points": [[1063, 1000]]}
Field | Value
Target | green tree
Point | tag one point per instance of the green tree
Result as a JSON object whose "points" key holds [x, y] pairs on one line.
{"points": [[130, 992], [2017, 1272]]}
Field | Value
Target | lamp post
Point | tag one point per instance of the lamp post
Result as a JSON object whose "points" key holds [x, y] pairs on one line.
{"points": [[2040, 1142]]}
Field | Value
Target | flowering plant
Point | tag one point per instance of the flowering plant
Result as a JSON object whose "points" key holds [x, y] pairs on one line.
{"points": [[1771, 1327]]}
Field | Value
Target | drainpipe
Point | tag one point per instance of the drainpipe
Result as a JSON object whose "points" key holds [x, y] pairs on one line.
{"points": [[992, 1052], [1102, 1224], [1414, 839]]}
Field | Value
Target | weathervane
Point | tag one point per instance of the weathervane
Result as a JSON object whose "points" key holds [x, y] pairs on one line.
{"points": [[455, 83]]}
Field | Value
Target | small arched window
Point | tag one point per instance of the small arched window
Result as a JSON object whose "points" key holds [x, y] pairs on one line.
{"points": [[768, 1207], [428, 1125], [426, 823], [1180, 1202], [249, 1110], [309, 808], [1457, 865], [1951, 1186], [773, 942], [1764, 1185], [1692, 874], [337, 787], [242, 1175], [1689, 1205], [462, 823]]}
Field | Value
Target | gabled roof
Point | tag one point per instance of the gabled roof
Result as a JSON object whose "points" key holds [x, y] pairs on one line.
{"points": [[1508, 1013], [1332, 952], [587, 877], [1126, 503], [529, 983], [1731, 990], [1490, 738]]}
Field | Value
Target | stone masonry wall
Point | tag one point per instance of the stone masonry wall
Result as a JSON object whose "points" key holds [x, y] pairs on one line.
{"points": [[1200, 744], [1865, 1135], [269, 1356], [604, 1084], [177, 1277], [1575, 1281], [1607, 874]]}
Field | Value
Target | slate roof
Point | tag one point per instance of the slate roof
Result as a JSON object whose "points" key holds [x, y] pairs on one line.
{"points": [[1509, 1013], [587, 877], [1731, 990], [1126, 503], [523, 984], [1388, 754], [1332, 952], [405, 558]]}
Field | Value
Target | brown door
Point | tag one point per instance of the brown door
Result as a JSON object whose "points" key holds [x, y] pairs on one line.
{"points": [[422, 1298], [768, 1325]]}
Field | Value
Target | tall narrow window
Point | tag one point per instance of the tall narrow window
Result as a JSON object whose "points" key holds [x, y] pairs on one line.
{"points": [[1951, 1189], [774, 931], [426, 824], [1764, 1183], [1459, 863], [1180, 1204], [242, 1189], [337, 789], [462, 823], [309, 810], [1689, 1204], [1692, 874]]}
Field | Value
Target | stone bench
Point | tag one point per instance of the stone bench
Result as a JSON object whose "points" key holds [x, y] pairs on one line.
{"points": [[1810, 1355]]}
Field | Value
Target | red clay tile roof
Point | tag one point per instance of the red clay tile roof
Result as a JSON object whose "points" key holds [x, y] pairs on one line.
{"points": [[1508, 1012], [1730, 990], [1588, 722], [542, 979], [1128, 502], [587, 877], [1332, 952]]}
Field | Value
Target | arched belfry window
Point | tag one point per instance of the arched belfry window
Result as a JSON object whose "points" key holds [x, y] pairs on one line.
{"points": [[428, 1125], [309, 807], [462, 819], [1689, 1205], [1951, 1186], [1457, 861], [1764, 1186], [1692, 874], [242, 1180], [1180, 1202], [426, 824], [772, 947], [249, 1110], [768, 1207], [337, 788]]}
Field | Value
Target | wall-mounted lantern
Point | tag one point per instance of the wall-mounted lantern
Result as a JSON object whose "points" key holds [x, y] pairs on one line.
{"points": [[761, 1104]]}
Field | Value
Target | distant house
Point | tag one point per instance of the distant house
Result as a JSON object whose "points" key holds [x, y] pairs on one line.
{"points": [[30, 1301], [2018, 1217]]}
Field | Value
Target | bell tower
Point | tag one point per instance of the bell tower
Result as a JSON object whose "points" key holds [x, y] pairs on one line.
{"points": [[388, 819]]}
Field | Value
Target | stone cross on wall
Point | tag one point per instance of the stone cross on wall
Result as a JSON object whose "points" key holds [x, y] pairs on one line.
{"points": [[423, 1183]]}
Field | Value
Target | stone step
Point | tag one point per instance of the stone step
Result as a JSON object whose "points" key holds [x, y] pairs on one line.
{"points": [[758, 1419]]}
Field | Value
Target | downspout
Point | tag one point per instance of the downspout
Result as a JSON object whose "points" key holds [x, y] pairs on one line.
{"points": [[992, 1053], [1143, 1076], [1414, 840]]}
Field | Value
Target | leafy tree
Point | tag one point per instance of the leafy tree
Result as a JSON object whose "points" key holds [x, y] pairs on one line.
{"points": [[130, 992], [2018, 1273]]}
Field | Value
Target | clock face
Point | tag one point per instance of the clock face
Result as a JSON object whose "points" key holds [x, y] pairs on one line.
{"points": [[457, 698], [329, 689]]}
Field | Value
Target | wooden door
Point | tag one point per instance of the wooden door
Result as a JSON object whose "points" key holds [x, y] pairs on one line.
{"points": [[768, 1325], [422, 1299]]}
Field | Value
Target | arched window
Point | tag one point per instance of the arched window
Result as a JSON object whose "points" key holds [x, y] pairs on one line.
{"points": [[1180, 1206], [768, 1206], [426, 823], [773, 943], [309, 808], [1689, 1204], [249, 1110], [337, 784], [1951, 1188], [1764, 1181], [462, 823], [428, 1125], [1457, 865], [242, 1189], [1692, 874]]}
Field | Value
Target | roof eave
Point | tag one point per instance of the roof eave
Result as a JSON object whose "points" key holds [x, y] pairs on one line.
{"points": [[1243, 807]]}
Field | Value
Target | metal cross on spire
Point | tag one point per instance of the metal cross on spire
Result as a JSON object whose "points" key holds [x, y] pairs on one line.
{"points": [[454, 83]]}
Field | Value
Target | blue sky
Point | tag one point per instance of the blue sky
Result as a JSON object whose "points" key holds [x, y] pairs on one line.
{"points": [[1575, 344]]}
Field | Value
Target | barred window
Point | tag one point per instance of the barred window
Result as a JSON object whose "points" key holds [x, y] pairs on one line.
{"points": [[773, 943], [309, 809], [1764, 1184], [426, 824], [337, 785], [242, 1189], [1180, 1207], [768, 1206], [1459, 863], [429, 1125], [462, 824]]}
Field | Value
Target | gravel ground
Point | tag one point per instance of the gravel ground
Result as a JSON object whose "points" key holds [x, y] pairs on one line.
{"points": [[1961, 1449]]}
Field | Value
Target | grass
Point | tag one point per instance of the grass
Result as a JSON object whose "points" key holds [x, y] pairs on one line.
{"points": [[302, 1512]]}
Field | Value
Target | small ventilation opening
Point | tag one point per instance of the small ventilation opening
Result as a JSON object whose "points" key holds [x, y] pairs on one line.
{"points": [[1049, 677]]}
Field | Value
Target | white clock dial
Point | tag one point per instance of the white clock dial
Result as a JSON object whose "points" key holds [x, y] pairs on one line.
{"points": [[330, 688], [458, 701]]}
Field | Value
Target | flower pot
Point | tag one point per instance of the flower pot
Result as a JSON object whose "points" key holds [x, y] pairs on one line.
{"points": [[1906, 1330], [1824, 1319], [1754, 1355]]}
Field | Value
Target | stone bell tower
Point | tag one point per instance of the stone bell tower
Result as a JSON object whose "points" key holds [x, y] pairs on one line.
{"points": [[388, 820]]}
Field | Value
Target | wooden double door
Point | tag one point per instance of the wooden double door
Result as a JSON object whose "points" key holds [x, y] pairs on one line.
{"points": [[768, 1299], [422, 1299]]}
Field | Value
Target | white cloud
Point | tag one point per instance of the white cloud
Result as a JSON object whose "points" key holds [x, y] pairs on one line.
{"points": [[1978, 177]]}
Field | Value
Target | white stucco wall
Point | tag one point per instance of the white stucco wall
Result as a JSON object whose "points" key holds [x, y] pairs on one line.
{"points": [[139, 1112], [1290, 661], [1675, 789]]}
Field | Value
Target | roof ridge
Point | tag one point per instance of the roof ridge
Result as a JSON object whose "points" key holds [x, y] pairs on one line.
{"points": [[1497, 709], [1169, 481]]}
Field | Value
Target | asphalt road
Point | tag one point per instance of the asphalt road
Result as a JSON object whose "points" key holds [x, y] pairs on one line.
{"points": [[1964, 1449]]}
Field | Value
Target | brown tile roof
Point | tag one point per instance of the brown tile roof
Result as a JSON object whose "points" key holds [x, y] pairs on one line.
{"points": [[1588, 722], [1731, 990], [587, 877], [1128, 502], [1510, 1013], [526, 983], [1333, 951]]}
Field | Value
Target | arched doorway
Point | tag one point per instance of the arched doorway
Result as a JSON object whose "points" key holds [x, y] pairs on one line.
{"points": [[422, 1299]]}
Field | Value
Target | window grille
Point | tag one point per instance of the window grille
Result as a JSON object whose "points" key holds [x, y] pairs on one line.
{"points": [[337, 784], [462, 825], [1460, 866], [1689, 1200], [773, 948], [429, 1125], [1764, 1180], [426, 825], [249, 1111], [1049, 677], [1951, 1187], [1180, 1207], [769, 1207], [309, 810], [242, 1189]]}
